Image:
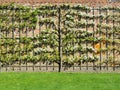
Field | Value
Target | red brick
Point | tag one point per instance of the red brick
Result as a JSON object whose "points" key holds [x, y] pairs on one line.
{"points": [[88, 2]]}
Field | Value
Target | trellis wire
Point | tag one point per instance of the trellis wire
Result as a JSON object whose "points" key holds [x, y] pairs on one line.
{"points": [[100, 36], [93, 12]]}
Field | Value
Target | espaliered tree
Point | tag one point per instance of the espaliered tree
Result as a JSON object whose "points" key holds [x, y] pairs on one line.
{"points": [[15, 19], [76, 38], [108, 28], [46, 46], [87, 35]]}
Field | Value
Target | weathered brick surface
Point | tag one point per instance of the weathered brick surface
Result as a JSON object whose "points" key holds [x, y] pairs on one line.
{"points": [[87, 2]]}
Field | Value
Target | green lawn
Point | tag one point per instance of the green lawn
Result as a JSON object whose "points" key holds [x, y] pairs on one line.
{"points": [[59, 81]]}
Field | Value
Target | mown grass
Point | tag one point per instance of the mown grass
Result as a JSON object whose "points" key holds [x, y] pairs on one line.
{"points": [[59, 81]]}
